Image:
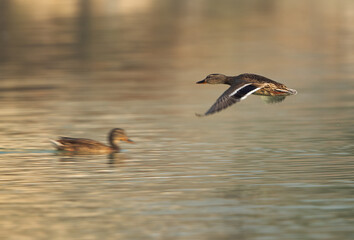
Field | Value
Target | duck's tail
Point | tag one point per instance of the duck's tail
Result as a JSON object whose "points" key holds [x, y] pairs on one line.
{"points": [[287, 91], [56, 144]]}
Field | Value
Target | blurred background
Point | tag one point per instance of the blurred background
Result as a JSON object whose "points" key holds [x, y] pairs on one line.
{"points": [[254, 171]]}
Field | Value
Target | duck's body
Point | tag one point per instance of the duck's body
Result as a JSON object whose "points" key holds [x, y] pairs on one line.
{"points": [[242, 86], [84, 145]]}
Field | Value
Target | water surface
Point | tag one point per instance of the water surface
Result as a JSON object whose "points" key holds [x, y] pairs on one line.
{"points": [[253, 171]]}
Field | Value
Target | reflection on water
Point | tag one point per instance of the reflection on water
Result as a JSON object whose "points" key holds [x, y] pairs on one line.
{"points": [[254, 171]]}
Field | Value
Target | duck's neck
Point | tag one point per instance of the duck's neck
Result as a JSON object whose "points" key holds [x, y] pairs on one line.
{"points": [[115, 147], [228, 80], [113, 144]]}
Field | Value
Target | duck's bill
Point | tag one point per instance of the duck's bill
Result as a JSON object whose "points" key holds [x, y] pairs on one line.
{"points": [[129, 140], [202, 82]]}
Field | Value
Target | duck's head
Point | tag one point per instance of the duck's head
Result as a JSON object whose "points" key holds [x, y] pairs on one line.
{"points": [[214, 78], [117, 134]]}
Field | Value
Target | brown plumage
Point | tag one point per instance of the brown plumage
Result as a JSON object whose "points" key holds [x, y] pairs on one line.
{"points": [[84, 145], [243, 85]]}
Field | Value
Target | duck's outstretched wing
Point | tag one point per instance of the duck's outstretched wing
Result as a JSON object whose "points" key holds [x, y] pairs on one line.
{"points": [[232, 95]]}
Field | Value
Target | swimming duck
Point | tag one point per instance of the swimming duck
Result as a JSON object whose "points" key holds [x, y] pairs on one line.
{"points": [[92, 146], [242, 86]]}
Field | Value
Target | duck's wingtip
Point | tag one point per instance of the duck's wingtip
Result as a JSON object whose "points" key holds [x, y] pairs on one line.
{"points": [[200, 115]]}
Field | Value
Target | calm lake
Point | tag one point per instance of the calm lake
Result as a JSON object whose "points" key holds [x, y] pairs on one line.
{"points": [[253, 171]]}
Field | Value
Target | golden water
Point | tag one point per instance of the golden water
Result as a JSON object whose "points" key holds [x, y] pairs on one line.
{"points": [[253, 171]]}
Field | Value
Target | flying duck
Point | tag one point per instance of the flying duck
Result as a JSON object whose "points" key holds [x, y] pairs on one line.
{"points": [[242, 86]]}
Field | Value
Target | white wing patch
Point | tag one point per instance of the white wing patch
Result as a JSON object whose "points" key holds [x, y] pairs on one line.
{"points": [[238, 89], [249, 93]]}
